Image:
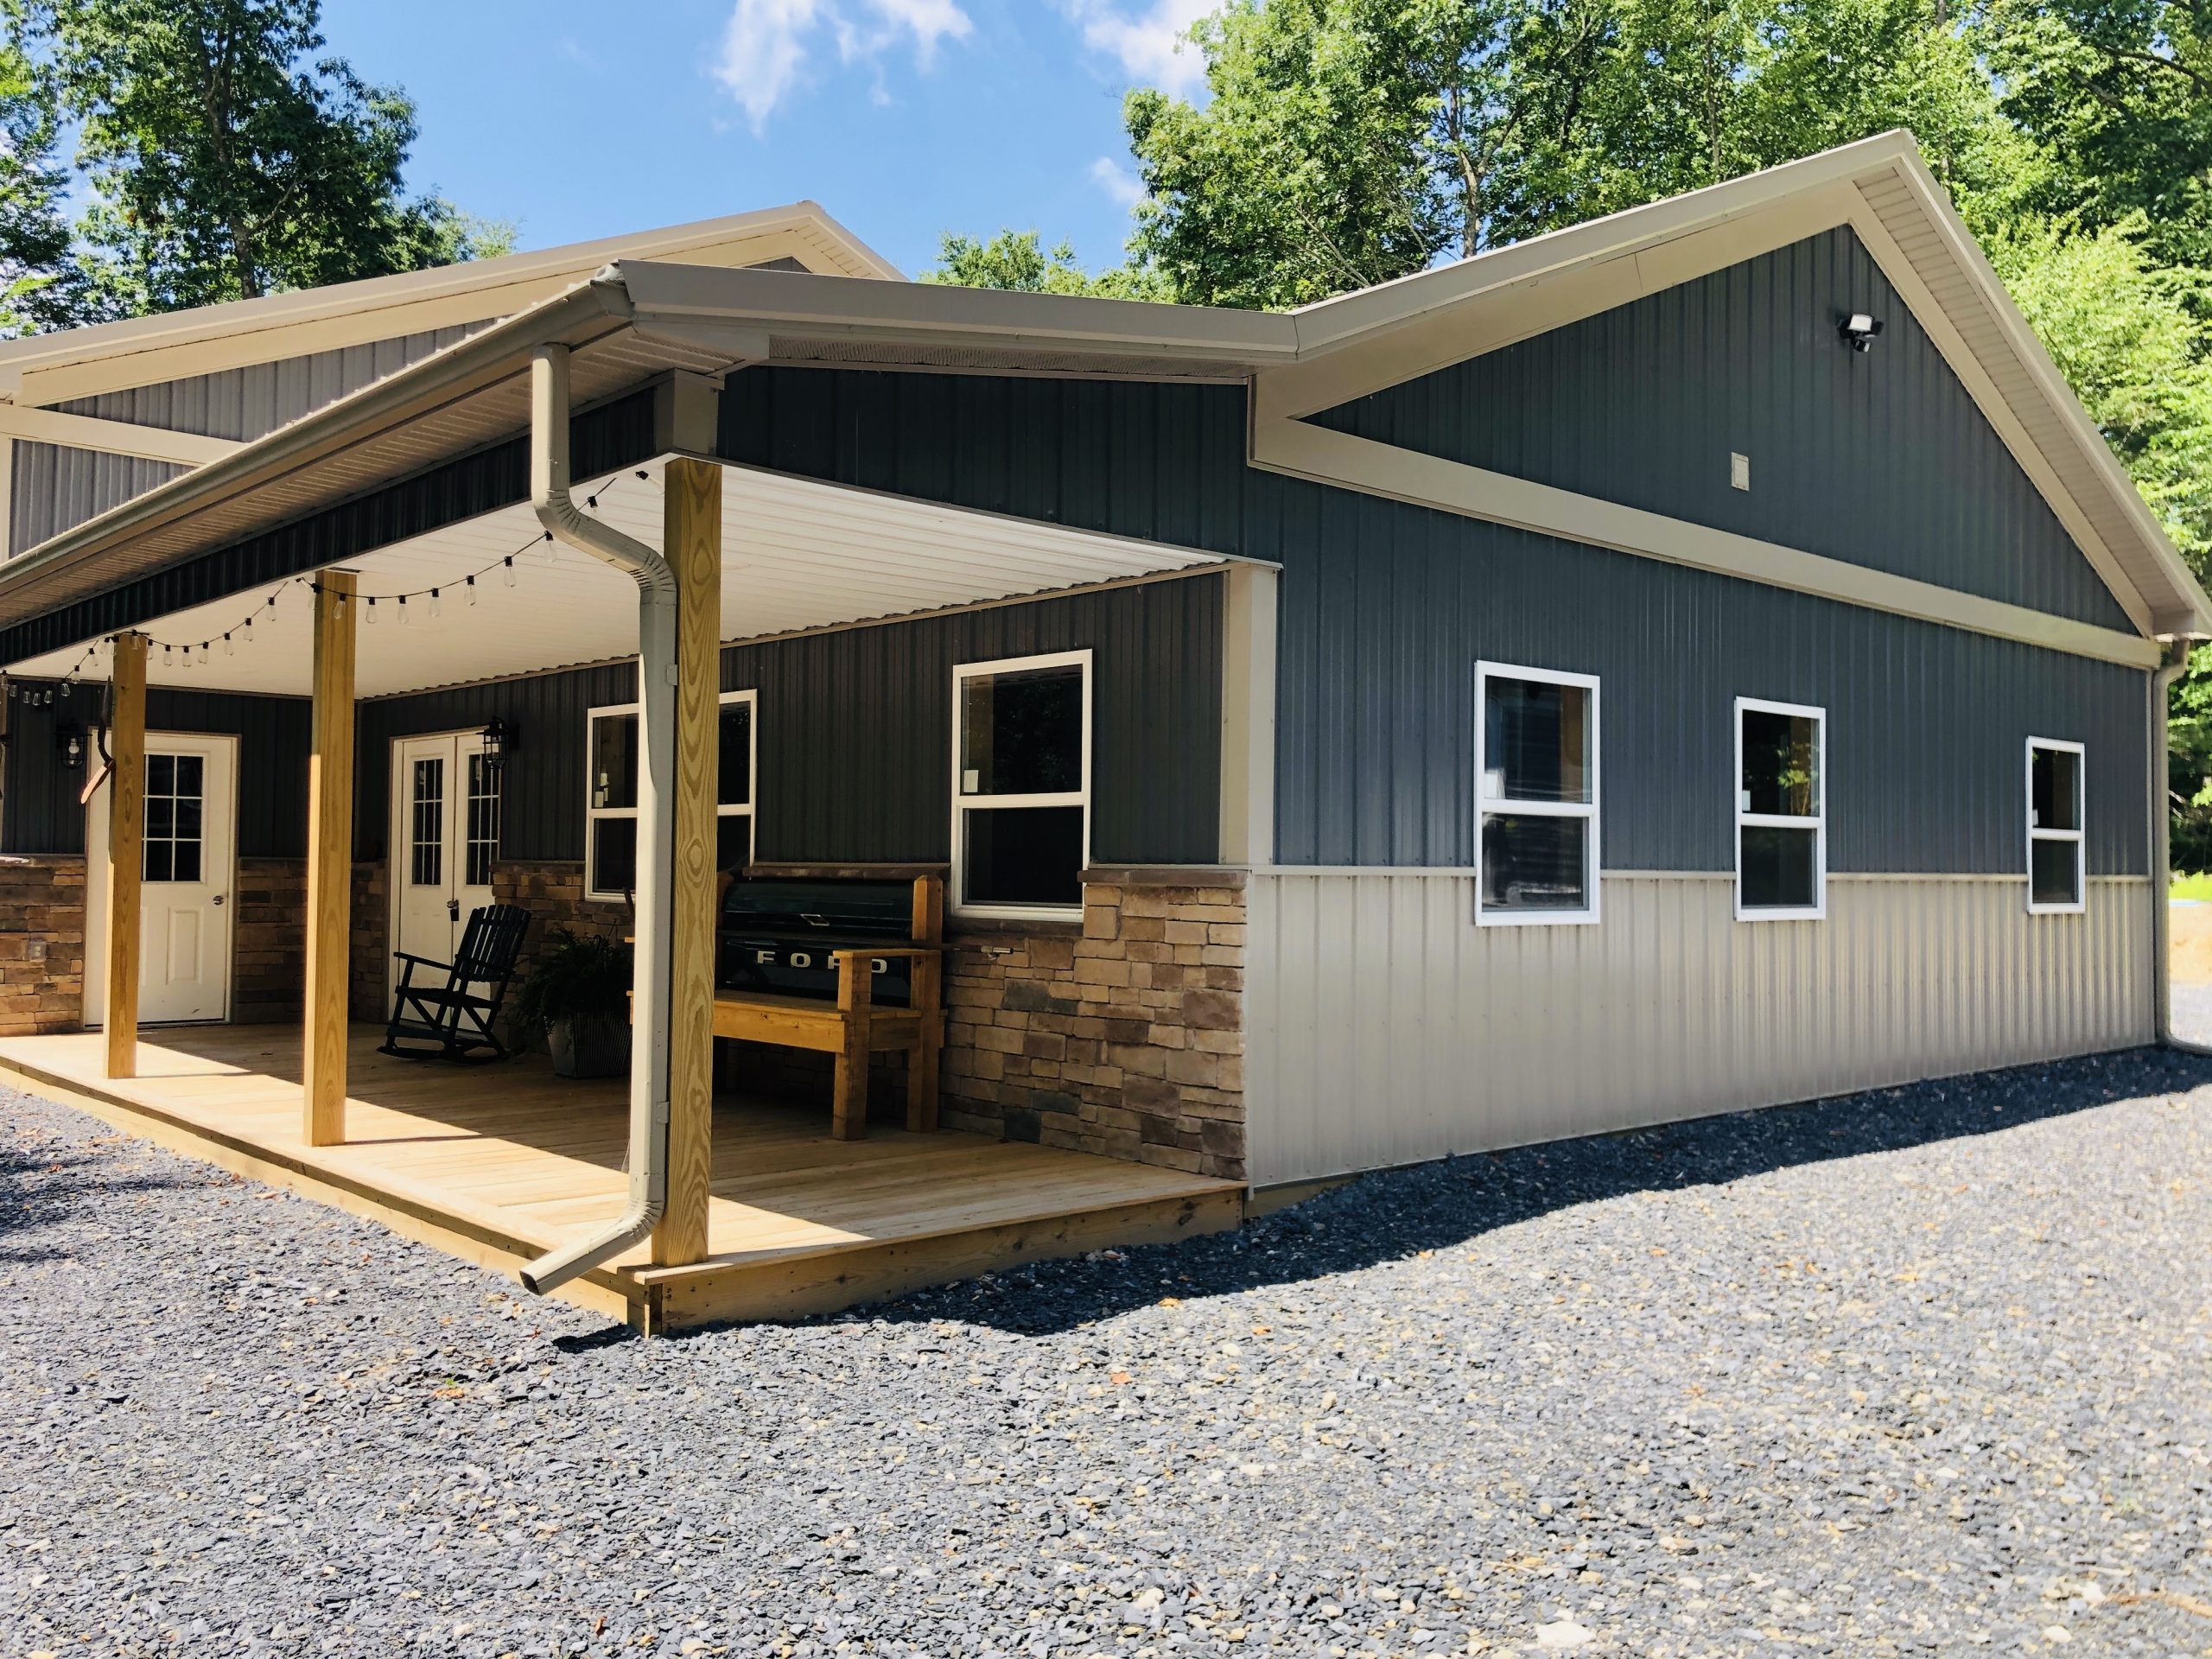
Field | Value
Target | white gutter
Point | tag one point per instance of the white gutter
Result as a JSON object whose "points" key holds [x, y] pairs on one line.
{"points": [[649, 1009], [2162, 822]]}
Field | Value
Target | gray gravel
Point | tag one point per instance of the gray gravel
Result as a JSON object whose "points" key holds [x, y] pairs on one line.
{"points": [[2192, 1013], [1924, 1371]]}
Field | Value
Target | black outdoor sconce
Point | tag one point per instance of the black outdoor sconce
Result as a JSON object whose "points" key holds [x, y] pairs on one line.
{"points": [[1860, 331], [69, 743], [499, 743]]}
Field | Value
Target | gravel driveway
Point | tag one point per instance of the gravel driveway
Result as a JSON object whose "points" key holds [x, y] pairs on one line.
{"points": [[1920, 1371]]}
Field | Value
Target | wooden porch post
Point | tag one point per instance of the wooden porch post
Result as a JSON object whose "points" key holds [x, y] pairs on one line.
{"points": [[692, 539], [330, 861], [126, 831]]}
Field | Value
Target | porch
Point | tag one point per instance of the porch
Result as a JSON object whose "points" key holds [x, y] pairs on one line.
{"points": [[498, 1166]]}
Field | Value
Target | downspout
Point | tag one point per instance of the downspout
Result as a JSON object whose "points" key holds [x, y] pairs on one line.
{"points": [[2172, 666], [649, 1088]]}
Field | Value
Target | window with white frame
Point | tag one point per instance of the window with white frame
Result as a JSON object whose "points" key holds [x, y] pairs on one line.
{"points": [[1781, 834], [2056, 874], [1537, 790], [611, 760], [1021, 784]]}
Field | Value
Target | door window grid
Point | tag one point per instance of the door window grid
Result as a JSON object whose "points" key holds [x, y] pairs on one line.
{"points": [[483, 820], [427, 859], [611, 760], [175, 804]]}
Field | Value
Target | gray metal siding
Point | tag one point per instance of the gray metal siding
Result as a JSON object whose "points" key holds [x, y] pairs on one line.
{"points": [[1386, 608], [1164, 463], [1883, 459], [39, 811], [855, 731], [1383, 1027], [855, 726], [252, 401], [54, 487]]}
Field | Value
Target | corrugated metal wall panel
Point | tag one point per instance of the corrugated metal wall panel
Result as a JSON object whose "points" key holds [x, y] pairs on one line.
{"points": [[1883, 459], [55, 487], [855, 731], [1162, 462], [38, 808], [250, 402], [1384, 1028], [1386, 609]]}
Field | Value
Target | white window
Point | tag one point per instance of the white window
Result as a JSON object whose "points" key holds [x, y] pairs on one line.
{"points": [[1782, 822], [1021, 786], [2055, 813], [611, 759], [1536, 795]]}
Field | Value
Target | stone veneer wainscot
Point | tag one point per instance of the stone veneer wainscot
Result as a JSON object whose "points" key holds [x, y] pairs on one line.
{"points": [[1123, 1036]]}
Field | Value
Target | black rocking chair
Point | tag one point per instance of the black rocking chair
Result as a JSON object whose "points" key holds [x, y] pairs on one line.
{"points": [[457, 1019]]}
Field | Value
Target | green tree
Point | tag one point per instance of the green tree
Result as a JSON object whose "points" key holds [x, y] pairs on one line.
{"points": [[1018, 262], [41, 286], [2118, 95], [1345, 142], [229, 156]]}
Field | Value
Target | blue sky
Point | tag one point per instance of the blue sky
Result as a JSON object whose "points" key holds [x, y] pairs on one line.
{"points": [[903, 117]]}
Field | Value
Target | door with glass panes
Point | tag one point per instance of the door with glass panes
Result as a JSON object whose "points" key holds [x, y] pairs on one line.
{"points": [[184, 897], [445, 833]]}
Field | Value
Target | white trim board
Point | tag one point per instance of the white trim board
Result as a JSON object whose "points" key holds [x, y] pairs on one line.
{"points": [[1303, 450]]}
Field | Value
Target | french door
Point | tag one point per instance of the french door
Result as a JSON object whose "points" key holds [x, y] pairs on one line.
{"points": [[445, 834], [184, 898]]}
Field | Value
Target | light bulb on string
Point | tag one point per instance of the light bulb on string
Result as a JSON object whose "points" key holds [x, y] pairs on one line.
{"points": [[434, 601], [507, 569], [229, 650], [403, 610], [372, 610], [471, 590], [550, 553]]}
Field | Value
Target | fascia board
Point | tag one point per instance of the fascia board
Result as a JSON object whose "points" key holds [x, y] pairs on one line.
{"points": [[109, 357], [1301, 450], [1330, 323], [471, 366], [678, 301]]}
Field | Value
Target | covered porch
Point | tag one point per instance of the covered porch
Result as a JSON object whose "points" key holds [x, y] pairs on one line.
{"points": [[406, 588], [501, 1166]]}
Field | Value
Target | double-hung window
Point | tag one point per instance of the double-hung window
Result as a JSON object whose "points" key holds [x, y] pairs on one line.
{"points": [[1536, 789], [2054, 865], [1021, 786], [1781, 827], [611, 762]]}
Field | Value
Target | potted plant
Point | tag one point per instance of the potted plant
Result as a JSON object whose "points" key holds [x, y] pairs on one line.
{"points": [[578, 995]]}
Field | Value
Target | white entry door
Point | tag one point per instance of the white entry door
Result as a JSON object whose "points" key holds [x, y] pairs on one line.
{"points": [[445, 833], [185, 903]]}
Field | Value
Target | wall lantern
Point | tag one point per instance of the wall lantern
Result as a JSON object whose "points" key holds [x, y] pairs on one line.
{"points": [[69, 744], [499, 743], [1860, 331]]}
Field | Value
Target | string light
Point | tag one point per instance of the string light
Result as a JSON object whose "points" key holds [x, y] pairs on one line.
{"points": [[181, 651]]}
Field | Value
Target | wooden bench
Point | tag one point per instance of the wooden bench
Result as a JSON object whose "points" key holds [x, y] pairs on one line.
{"points": [[853, 1027]]}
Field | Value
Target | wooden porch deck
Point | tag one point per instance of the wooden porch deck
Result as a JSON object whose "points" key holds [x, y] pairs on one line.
{"points": [[496, 1163]]}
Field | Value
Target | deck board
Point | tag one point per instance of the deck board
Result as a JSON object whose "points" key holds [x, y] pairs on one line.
{"points": [[500, 1162]]}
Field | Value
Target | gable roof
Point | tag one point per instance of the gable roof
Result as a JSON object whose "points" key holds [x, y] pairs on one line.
{"points": [[638, 320], [1881, 189], [45, 369]]}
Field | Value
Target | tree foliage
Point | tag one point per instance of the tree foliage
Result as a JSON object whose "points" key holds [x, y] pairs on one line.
{"points": [[228, 156], [1018, 262]]}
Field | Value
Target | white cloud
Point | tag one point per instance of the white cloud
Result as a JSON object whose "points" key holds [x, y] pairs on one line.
{"points": [[766, 43], [1146, 38], [1116, 182]]}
